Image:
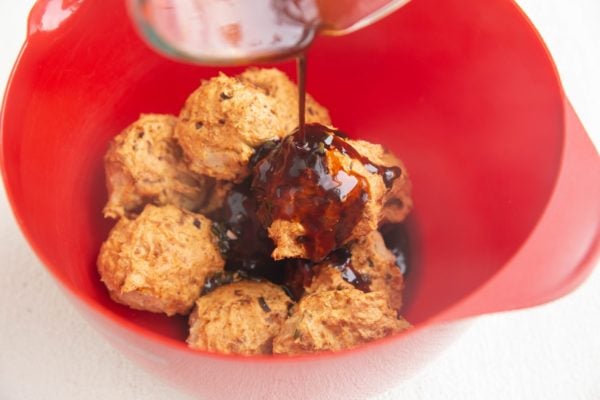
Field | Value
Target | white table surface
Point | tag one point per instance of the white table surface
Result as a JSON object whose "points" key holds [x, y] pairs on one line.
{"points": [[549, 352]]}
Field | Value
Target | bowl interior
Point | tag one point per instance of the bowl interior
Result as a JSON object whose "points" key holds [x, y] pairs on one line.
{"points": [[461, 90]]}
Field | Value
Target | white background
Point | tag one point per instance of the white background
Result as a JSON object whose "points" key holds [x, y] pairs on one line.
{"points": [[47, 351]]}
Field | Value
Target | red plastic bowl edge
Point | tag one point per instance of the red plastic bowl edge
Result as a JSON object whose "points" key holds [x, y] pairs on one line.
{"points": [[91, 305]]}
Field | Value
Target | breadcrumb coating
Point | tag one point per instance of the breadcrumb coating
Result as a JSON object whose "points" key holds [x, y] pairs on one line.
{"points": [[288, 234], [144, 164], [276, 84], [397, 201], [374, 262], [226, 118], [158, 262], [334, 320], [241, 318]]}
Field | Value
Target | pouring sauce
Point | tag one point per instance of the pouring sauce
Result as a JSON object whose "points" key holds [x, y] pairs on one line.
{"points": [[244, 243]]}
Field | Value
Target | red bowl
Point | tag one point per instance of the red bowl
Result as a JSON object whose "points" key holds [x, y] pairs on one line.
{"points": [[507, 200]]}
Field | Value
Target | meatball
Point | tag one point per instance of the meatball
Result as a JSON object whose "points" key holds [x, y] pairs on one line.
{"points": [[397, 201], [336, 320], [370, 262], [144, 164], [226, 118], [158, 262], [241, 318], [316, 193], [276, 84]]}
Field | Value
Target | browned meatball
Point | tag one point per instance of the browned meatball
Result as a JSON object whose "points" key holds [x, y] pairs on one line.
{"points": [[158, 262], [397, 201], [144, 164], [373, 264], [335, 320], [276, 84], [316, 193], [226, 118], [240, 318]]}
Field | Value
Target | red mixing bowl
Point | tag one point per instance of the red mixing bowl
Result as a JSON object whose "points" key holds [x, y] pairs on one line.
{"points": [[506, 182]]}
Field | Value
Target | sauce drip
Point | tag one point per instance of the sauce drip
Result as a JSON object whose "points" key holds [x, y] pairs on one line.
{"points": [[342, 260], [217, 280], [298, 181], [298, 275], [242, 240]]}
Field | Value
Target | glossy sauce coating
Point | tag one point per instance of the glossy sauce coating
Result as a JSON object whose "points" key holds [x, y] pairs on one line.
{"points": [[301, 180], [298, 181], [242, 239], [342, 260], [239, 225], [247, 250]]}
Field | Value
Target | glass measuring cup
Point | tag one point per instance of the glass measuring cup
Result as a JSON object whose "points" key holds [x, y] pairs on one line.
{"points": [[233, 32]]}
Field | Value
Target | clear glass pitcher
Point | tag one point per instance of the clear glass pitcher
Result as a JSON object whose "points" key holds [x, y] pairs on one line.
{"points": [[230, 32]]}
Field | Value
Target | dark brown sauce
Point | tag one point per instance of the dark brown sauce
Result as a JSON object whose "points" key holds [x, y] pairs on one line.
{"points": [[217, 280], [388, 174], [396, 239], [242, 240], [342, 260], [251, 260], [298, 182], [262, 151], [298, 275]]}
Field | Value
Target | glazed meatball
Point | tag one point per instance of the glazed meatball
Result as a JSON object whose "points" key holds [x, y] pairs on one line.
{"points": [[226, 118], [276, 84], [336, 320], [397, 201], [369, 263], [158, 262], [316, 193], [241, 318], [144, 164]]}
